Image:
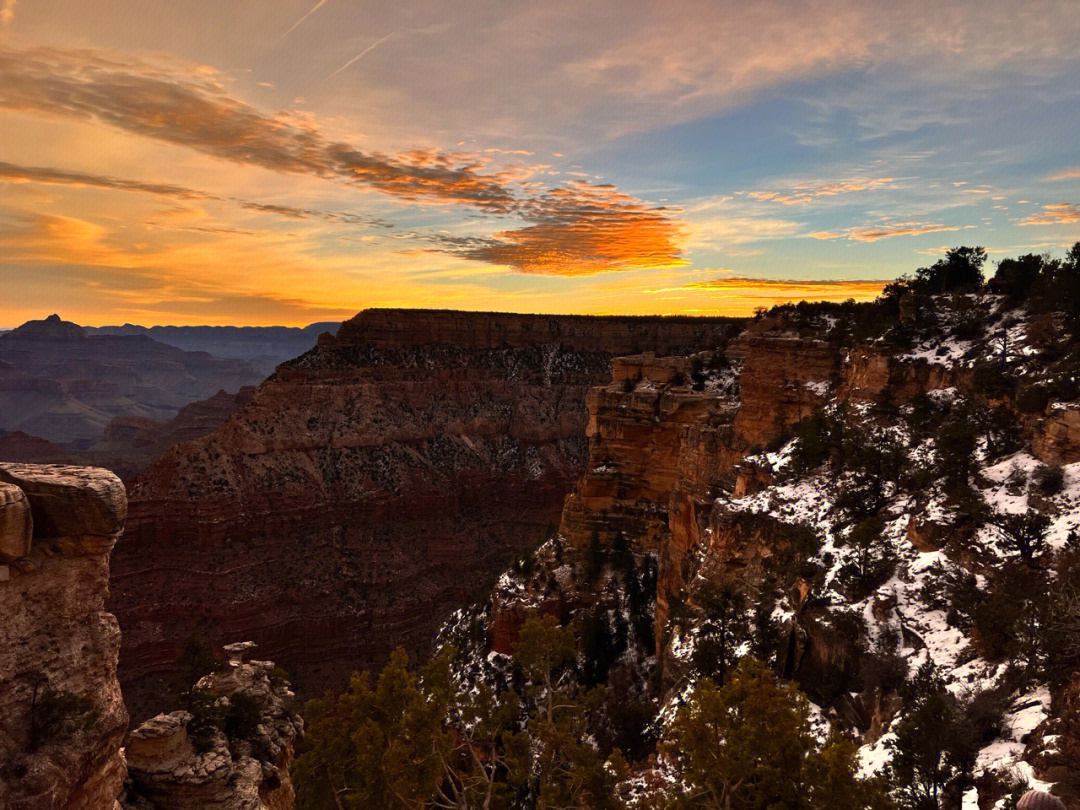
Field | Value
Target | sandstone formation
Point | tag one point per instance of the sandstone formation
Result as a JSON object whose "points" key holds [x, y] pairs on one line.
{"points": [[62, 384], [64, 717], [368, 487], [171, 766]]}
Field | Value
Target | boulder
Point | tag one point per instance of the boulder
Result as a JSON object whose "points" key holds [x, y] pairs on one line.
{"points": [[16, 523], [69, 501]]}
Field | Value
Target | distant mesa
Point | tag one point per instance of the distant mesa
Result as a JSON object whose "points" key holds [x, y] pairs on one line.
{"points": [[51, 328]]}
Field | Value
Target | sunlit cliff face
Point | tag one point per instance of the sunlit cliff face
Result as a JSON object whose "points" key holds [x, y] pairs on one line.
{"points": [[293, 161]]}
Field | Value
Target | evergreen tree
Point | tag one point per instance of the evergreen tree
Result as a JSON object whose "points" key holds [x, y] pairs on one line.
{"points": [[935, 746], [594, 558], [725, 623], [1024, 533], [553, 763], [749, 746]]}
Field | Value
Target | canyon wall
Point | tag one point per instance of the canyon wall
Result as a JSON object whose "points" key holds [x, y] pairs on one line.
{"points": [[366, 488], [63, 384], [63, 716]]}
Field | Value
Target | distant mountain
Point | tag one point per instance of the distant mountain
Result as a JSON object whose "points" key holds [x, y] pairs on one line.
{"points": [[263, 347], [65, 383]]}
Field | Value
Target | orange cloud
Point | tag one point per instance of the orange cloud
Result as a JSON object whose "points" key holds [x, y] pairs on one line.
{"points": [[1056, 214], [1067, 174], [571, 230], [579, 229], [783, 290]]}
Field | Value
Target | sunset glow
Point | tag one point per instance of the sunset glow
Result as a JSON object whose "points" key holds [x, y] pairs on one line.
{"points": [[299, 160]]}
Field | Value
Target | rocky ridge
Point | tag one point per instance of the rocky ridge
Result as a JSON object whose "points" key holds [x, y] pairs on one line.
{"points": [[691, 468]]}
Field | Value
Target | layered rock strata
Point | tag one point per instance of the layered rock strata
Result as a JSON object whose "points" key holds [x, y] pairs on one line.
{"points": [[64, 385], [367, 488], [63, 716]]}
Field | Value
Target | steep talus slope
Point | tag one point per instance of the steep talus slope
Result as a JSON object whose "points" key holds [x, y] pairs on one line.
{"points": [[367, 487]]}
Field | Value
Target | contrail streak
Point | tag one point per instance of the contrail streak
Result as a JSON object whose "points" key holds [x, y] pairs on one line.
{"points": [[357, 57], [318, 5]]}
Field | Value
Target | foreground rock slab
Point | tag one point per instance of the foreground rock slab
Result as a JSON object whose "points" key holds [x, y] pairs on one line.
{"points": [[63, 717]]}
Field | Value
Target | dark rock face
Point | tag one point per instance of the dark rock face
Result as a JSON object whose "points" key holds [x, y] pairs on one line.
{"points": [[367, 488], [61, 384]]}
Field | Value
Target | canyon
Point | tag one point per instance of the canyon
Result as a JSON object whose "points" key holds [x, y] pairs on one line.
{"points": [[367, 488], [347, 505]]}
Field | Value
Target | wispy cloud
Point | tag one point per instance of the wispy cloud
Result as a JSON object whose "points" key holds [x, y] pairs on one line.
{"points": [[1066, 174], [7, 13], [1055, 214], [802, 193], [575, 229], [878, 232], [66, 177]]}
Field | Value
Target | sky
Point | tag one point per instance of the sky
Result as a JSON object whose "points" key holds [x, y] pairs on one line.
{"points": [[292, 161]]}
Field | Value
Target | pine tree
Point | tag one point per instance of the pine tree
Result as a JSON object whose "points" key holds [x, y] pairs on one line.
{"points": [[553, 763], [724, 625]]}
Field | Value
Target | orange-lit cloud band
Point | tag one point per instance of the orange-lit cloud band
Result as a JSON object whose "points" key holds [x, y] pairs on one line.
{"points": [[574, 230]]}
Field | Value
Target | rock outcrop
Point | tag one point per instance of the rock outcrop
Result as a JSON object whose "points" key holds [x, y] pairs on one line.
{"points": [[784, 379], [367, 488], [666, 440], [641, 427], [63, 716], [175, 763]]}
